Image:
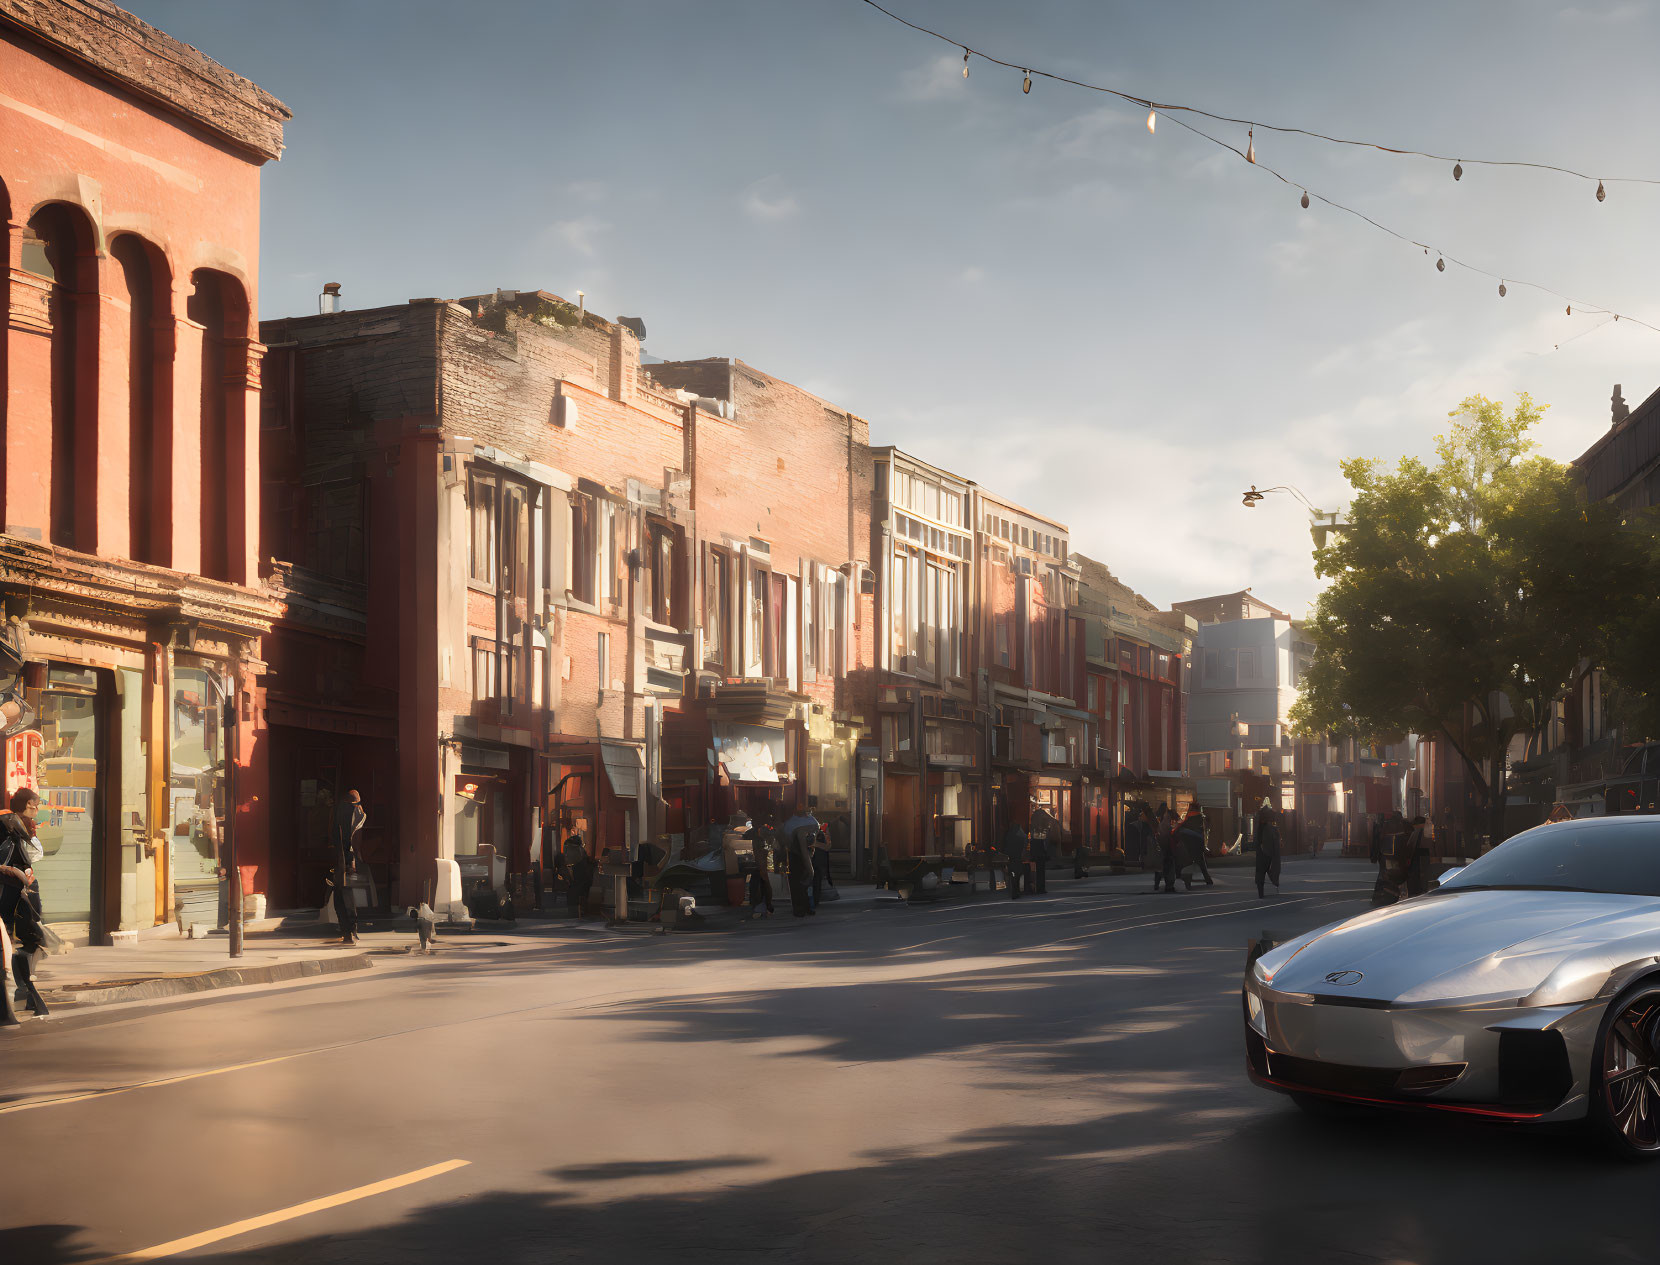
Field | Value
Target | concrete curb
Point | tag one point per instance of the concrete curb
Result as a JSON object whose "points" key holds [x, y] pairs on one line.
{"points": [[204, 981]]}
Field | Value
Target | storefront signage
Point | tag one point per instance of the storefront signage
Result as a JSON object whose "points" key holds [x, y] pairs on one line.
{"points": [[749, 753], [23, 760]]}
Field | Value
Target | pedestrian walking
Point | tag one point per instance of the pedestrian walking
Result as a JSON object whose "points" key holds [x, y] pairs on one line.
{"points": [[20, 908], [1037, 852], [347, 826], [1169, 848], [822, 880], [1388, 854], [1014, 858], [1268, 848], [1394, 854], [1194, 825], [800, 832]]}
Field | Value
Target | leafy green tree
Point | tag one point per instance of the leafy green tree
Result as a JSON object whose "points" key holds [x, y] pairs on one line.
{"points": [[1464, 594]]}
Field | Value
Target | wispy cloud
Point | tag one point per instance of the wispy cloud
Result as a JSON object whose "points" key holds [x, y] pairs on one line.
{"points": [[941, 79], [587, 190], [581, 234], [972, 275], [767, 200]]}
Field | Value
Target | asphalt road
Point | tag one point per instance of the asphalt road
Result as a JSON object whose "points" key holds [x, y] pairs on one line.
{"points": [[1059, 1078]]}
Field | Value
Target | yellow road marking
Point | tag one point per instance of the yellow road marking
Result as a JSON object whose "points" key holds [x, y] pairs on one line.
{"points": [[194, 1241]]}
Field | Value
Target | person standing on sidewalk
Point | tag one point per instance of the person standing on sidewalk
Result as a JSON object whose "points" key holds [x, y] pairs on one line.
{"points": [[1014, 858], [800, 832], [1037, 851], [348, 825], [1193, 826], [20, 911], [1268, 848]]}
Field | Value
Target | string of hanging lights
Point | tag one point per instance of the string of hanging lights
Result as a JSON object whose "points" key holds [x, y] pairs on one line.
{"points": [[1249, 154], [1154, 108]]}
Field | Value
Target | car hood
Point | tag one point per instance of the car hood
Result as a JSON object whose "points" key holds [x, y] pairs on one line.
{"points": [[1466, 946]]}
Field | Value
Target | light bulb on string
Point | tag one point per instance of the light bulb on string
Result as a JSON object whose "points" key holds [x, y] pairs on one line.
{"points": [[1440, 265], [1250, 145], [1570, 309], [965, 63], [1305, 199], [1152, 118], [1026, 83], [1602, 194], [1502, 290], [1458, 171]]}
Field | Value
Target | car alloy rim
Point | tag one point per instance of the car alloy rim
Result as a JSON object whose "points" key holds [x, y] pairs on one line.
{"points": [[1630, 1077]]}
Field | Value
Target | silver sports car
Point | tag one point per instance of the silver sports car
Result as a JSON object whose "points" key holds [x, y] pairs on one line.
{"points": [[1525, 988]]}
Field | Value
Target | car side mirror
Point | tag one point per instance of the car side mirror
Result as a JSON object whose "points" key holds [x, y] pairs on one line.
{"points": [[1446, 874]]}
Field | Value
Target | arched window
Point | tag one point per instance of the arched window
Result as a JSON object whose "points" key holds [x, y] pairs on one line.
{"points": [[144, 277], [58, 247], [220, 306]]}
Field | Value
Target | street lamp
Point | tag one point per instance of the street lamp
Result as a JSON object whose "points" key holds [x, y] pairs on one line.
{"points": [[1322, 523]]}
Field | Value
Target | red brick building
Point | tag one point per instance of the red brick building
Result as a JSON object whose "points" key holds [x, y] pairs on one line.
{"points": [[1138, 661], [551, 586], [129, 392], [1030, 650]]}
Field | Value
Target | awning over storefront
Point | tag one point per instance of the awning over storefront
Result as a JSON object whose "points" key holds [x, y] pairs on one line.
{"points": [[624, 766], [748, 753]]}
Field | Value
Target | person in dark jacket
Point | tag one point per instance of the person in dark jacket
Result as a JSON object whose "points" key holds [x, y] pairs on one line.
{"points": [[347, 826], [1389, 855], [1268, 848], [1037, 851], [1169, 847], [20, 907], [1014, 858], [799, 833], [1190, 846], [1194, 825]]}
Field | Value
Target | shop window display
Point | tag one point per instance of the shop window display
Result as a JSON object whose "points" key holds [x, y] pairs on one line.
{"points": [[68, 792], [196, 785]]}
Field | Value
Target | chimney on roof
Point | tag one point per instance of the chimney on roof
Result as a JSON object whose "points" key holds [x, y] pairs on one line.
{"points": [[329, 301], [1621, 412]]}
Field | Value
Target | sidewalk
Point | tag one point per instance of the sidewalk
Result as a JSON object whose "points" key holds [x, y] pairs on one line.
{"points": [[170, 967]]}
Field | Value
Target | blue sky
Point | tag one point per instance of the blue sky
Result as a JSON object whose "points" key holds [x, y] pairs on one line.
{"points": [[1119, 329]]}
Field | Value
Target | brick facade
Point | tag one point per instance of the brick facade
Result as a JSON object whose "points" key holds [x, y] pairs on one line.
{"points": [[130, 380]]}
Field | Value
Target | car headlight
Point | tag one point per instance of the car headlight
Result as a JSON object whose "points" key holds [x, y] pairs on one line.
{"points": [[1253, 1012]]}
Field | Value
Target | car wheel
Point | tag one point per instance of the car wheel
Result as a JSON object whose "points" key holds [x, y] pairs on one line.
{"points": [[1625, 1075]]}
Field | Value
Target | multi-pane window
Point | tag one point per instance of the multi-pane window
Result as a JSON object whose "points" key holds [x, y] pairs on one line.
{"points": [[717, 609], [484, 507], [811, 596], [584, 547], [755, 621], [484, 668], [660, 575], [515, 540]]}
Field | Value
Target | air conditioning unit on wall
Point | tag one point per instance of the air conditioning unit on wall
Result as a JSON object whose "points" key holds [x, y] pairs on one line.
{"points": [[565, 414]]}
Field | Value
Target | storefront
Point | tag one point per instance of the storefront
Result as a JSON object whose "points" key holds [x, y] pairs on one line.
{"points": [[116, 716]]}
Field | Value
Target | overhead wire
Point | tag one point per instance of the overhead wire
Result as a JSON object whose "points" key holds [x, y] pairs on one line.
{"points": [[1171, 107], [1173, 113]]}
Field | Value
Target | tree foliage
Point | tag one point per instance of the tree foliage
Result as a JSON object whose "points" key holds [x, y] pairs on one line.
{"points": [[1465, 592]]}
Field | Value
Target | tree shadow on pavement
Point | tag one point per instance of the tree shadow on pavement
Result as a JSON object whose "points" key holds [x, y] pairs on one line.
{"points": [[1149, 1186]]}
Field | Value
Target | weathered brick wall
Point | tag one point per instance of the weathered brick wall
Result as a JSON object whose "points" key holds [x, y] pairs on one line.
{"points": [[498, 388], [153, 64]]}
